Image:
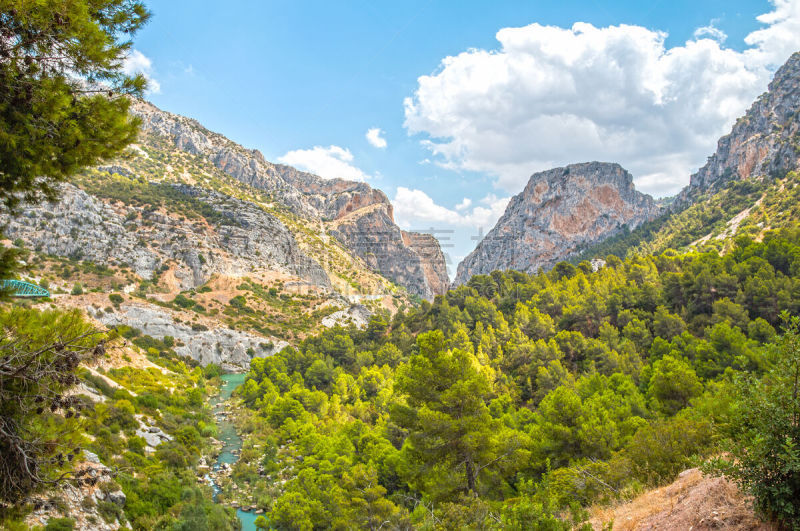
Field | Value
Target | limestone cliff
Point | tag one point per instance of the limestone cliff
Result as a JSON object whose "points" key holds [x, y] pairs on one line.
{"points": [[234, 239], [430, 252], [765, 141], [312, 197], [559, 211]]}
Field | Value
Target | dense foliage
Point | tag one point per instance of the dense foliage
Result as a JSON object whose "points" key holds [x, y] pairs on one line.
{"points": [[160, 484], [763, 435], [63, 90], [39, 354], [515, 398]]}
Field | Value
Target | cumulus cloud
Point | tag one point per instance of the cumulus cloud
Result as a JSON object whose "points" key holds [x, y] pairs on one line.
{"points": [[327, 162], [414, 208], [550, 96], [375, 139], [138, 63]]}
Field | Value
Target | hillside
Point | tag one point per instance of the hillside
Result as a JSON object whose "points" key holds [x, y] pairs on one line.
{"points": [[208, 242], [357, 213]]}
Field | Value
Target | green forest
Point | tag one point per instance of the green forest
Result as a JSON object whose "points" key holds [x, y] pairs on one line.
{"points": [[518, 400]]}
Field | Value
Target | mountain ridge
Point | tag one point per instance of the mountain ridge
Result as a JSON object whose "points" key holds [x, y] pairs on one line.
{"points": [[309, 196], [764, 141]]}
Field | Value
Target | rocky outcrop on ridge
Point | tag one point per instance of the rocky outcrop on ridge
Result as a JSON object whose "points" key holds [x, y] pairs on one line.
{"points": [[559, 212], [401, 256], [765, 141]]}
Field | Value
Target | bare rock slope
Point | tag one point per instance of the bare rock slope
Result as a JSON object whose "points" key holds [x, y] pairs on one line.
{"points": [[84, 226], [765, 141], [559, 212], [362, 215]]}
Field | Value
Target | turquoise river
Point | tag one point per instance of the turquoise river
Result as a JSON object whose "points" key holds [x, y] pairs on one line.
{"points": [[231, 440]]}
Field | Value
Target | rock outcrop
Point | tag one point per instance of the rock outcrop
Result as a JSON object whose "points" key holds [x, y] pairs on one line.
{"points": [[80, 499], [765, 141], [240, 238], [409, 259], [311, 197], [559, 212], [223, 346], [427, 247]]}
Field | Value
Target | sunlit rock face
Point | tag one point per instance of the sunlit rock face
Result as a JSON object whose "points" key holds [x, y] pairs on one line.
{"points": [[559, 212], [764, 142]]}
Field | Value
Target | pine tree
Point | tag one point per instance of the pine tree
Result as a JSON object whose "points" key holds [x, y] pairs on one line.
{"points": [[451, 430], [64, 96]]}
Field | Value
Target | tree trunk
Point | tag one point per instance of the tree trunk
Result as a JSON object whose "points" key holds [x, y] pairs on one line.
{"points": [[470, 475]]}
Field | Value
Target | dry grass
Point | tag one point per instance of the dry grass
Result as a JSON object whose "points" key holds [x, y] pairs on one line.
{"points": [[692, 502]]}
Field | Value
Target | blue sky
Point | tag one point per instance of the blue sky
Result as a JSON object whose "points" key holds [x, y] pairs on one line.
{"points": [[650, 85]]}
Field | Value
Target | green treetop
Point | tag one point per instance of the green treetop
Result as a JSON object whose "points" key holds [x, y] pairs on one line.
{"points": [[63, 90]]}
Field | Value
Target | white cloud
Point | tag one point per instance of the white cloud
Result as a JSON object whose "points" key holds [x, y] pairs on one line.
{"points": [[138, 63], [711, 32], [375, 139], [415, 209], [327, 162], [551, 96], [465, 203]]}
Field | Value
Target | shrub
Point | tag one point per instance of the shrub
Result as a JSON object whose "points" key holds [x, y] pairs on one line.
{"points": [[116, 299], [763, 435], [60, 524], [183, 301], [77, 289]]}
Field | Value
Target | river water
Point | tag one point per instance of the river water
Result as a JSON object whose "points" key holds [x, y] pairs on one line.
{"points": [[232, 442]]}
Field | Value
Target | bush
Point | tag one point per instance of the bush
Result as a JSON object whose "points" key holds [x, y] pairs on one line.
{"points": [[183, 301], [60, 524], [77, 289], [110, 511], [116, 299], [763, 435]]}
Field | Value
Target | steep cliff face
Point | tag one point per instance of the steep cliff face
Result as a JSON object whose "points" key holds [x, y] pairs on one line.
{"points": [[430, 252], [765, 141], [402, 256], [309, 196], [558, 212]]}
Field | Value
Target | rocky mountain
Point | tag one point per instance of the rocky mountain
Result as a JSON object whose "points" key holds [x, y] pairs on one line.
{"points": [[748, 186], [361, 215], [560, 211], [372, 234], [765, 141]]}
